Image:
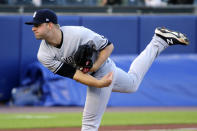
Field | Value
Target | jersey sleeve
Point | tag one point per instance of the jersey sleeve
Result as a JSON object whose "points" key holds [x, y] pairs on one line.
{"points": [[49, 62], [99, 41], [57, 67]]}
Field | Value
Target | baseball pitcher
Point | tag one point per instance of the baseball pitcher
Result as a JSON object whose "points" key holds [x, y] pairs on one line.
{"points": [[83, 55]]}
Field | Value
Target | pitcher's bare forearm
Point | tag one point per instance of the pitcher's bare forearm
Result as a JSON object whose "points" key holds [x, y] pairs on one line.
{"points": [[103, 56], [91, 81]]}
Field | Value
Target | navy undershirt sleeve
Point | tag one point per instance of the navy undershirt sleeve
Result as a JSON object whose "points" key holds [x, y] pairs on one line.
{"points": [[66, 70]]}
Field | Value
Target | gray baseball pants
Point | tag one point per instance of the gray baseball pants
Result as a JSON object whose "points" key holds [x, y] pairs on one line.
{"points": [[97, 98]]}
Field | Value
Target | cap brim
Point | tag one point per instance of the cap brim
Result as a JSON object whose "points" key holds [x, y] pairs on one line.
{"points": [[29, 23], [32, 23]]}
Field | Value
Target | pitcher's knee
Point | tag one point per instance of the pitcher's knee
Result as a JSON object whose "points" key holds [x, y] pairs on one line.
{"points": [[133, 89], [134, 83]]}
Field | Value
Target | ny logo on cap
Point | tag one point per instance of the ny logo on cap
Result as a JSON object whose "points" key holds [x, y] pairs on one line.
{"points": [[47, 20], [34, 15]]}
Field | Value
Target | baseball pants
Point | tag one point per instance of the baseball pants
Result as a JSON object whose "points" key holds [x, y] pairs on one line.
{"points": [[97, 98]]}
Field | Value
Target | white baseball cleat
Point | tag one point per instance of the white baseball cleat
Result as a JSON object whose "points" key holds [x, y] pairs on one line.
{"points": [[172, 37]]}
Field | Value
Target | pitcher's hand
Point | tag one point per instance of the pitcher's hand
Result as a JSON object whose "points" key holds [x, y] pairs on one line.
{"points": [[106, 80]]}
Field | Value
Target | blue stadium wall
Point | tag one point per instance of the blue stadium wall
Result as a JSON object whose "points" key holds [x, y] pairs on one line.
{"points": [[130, 35]]}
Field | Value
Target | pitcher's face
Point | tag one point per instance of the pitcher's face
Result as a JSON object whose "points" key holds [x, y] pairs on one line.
{"points": [[40, 30]]}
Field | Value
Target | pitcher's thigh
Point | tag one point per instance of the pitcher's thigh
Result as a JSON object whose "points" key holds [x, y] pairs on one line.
{"points": [[124, 82]]}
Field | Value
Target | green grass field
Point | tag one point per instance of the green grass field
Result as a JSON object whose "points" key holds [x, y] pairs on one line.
{"points": [[44, 120]]}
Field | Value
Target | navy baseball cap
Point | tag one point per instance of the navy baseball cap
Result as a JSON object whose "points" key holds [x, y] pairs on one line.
{"points": [[43, 16]]}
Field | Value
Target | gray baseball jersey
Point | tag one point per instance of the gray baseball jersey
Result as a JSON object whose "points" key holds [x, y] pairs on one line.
{"points": [[97, 98], [73, 36]]}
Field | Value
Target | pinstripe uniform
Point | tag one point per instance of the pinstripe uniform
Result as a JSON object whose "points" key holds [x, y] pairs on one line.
{"points": [[73, 36], [59, 60], [97, 98]]}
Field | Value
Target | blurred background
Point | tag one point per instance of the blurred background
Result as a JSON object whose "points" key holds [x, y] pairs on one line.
{"points": [[100, 6], [129, 24]]}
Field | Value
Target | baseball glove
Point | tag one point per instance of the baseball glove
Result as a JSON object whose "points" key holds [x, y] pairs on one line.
{"points": [[83, 58]]}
